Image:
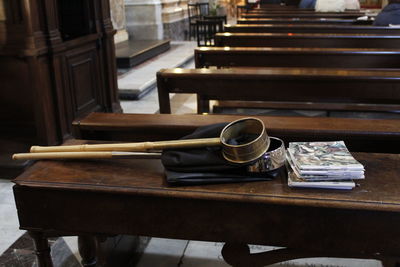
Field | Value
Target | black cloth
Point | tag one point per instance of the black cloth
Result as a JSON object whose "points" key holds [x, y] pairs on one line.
{"points": [[206, 165]]}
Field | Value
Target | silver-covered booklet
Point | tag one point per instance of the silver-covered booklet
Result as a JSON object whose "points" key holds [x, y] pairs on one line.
{"points": [[314, 157], [323, 175], [295, 181]]}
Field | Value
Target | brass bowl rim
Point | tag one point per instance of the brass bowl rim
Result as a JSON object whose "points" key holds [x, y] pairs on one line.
{"points": [[251, 142], [239, 160]]}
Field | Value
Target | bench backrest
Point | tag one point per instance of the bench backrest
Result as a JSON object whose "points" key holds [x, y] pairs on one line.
{"points": [[298, 11], [364, 90], [379, 135], [302, 15], [311, 28], [296, 57], [330, 21], [307, 40]]}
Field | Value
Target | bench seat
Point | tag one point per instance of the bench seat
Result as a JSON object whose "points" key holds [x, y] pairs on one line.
{"points": [[380, 135]]}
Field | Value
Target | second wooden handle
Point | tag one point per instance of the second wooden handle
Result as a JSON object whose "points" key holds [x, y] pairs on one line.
{"points": [[85, 155], [140, 147]]}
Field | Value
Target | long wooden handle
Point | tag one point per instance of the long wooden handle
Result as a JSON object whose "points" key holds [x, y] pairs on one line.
{"points": [[84, 155], [143, 146]]}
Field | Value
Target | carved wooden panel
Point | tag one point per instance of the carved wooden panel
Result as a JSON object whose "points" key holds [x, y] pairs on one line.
{"points": [[57, 63], [84, 81]]}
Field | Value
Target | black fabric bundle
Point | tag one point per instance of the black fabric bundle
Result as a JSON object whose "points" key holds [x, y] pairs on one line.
{"points": [[206, 165]]}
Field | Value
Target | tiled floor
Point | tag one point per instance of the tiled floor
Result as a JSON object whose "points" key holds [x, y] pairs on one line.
{"points": [[9, 231], [142, 77], [159, 252]]}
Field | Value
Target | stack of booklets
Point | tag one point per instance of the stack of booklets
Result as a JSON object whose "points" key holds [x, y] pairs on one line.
{"points": [[322, 165]]}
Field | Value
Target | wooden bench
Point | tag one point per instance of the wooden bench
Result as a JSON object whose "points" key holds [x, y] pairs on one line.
{"points": [[381, 135], [330, 21], [310, 28], [303, 15], [296, 57], [322, 40], [297, 11], [318, 89], [95, 199], [89, 198]]}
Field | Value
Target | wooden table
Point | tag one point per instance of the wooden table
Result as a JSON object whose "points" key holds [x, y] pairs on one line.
{"points": [[108, 197]]}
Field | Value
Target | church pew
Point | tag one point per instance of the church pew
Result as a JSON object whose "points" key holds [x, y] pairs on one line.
{"points": [[380, 135], [310, 28], [296, 57], [329, 21], [323, 40], [303, 15], [299, 11], [313, 88], [273, 7]]}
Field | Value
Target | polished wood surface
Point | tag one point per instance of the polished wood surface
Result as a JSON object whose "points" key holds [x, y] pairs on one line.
{"points": [[329, 21], [311, 28], [322, 40], [295, 11], [145, 177], [71, 197], [382, 135], [302, 15], [339, 86], [296, 57]]}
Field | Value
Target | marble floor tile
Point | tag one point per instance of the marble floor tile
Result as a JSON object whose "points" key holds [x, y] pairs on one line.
{"points": [[148, 104], [21, 254], [162, 252], [331, 262], [72, 243], [145, 73], [9, 225], [6, 194], [203, 254]]}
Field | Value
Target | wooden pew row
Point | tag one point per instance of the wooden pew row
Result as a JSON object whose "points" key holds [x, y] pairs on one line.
{"points": [[275, 7], [381, 135], [329, 21], [296, 57], [322, 40], [286, 88], [221, 57], [310, 28], [303, 15], [299, 11]]}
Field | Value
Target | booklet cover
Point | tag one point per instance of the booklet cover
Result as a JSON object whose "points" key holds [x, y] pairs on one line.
{"points": [[323, 156], [324, 174], [295, 181]]}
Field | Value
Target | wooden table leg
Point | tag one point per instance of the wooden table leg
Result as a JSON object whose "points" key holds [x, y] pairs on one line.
{"points": [[87, 246], [42, 249]]}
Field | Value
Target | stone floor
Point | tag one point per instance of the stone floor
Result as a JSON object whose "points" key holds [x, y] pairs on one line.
{"points": [[16, 248]]}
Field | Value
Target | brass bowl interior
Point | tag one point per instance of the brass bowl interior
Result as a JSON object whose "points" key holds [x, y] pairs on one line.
{"points": [[244, 140]]}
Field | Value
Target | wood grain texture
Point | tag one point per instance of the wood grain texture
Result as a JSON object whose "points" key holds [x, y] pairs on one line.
{"points": [[325, 40], [72, 197], [346, 87], [310, 28], [380, 135], [297, 57]]}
